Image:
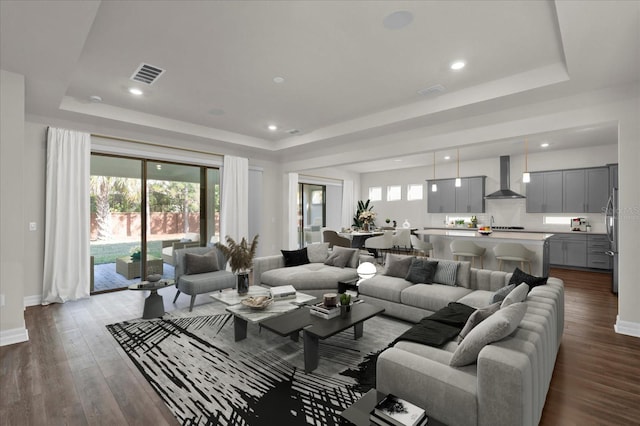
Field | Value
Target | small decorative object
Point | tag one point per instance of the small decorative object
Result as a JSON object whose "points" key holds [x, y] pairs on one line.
{"points": [[406, 224], [330, 299], [136, 253], [474, 221], [154, 278], [240, 259], [258, 302], [395, 224], [345, 305], [387, 220]]}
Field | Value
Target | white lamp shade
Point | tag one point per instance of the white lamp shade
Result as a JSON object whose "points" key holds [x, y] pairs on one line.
{"points": [[526, 177], [366, 270]]}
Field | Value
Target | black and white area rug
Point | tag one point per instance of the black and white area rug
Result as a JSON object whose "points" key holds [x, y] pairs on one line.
{"points": [[205, 378]]}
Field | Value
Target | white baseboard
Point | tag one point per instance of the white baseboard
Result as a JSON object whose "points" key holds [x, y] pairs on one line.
{"points": [[34, 300], [627, 327], [15, 335]]}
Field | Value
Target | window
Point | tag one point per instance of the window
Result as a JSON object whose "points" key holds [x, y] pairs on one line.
{"points": [[375, 193], [394, 193], [414, 192], [556, 220]]}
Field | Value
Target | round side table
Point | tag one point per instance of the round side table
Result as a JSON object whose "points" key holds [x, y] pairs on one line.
{"points": [[153, 304]]}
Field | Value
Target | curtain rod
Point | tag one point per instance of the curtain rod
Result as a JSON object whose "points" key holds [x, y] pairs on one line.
{"points": [[157, 145]]}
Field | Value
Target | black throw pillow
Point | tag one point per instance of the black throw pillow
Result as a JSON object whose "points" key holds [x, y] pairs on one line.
{"points": [[295, 257], [520, 277], [421, 271]]}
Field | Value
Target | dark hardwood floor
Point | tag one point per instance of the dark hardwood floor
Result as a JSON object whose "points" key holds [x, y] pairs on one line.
{"points": [[72, 372]]}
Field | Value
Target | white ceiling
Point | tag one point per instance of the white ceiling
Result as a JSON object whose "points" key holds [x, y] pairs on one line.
{"points": [[347, 77]]}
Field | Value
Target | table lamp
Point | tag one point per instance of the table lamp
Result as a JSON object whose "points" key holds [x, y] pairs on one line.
{"points": [[366, 270]]}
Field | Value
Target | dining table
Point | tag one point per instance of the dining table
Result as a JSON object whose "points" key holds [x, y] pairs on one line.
{"points": [[358, 238]]}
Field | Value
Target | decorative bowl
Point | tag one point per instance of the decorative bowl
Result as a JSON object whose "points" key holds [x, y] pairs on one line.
{"points": [[154, 277], [485, 232], [258, 302]]}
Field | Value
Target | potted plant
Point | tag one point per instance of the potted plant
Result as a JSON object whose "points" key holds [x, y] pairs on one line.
{"points": [[240, 257], [345, 305], [362, 207]]}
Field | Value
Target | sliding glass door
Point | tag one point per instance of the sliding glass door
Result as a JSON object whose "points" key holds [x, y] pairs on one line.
{"points": [[312, 208], [144, 210]]}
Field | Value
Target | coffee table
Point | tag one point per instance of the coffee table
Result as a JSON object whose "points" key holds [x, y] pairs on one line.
{"points": [[358, 413], [153, 304], [242, 315], [315, 328]]}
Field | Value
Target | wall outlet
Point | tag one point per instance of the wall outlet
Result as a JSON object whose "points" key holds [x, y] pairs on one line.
{"points": [[33, 226]]}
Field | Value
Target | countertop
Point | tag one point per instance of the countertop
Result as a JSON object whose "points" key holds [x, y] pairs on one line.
{"points": [[496, 235], [534, 231]]}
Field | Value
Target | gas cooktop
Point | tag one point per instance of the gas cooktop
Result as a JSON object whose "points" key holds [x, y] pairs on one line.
{"points": [[519, 228]]}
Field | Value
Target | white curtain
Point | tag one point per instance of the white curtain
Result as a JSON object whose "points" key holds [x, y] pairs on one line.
{"points": [[234, 209], [67, 216], [348, 203], [292, 225]]}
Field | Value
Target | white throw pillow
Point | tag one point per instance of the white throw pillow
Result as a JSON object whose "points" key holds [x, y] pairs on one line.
{"points": [[318, 252], [495, 328]]}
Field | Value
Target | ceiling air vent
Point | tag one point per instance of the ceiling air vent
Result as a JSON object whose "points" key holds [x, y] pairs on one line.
{"points": [[147, 74], [293, 131], [436, 88]]}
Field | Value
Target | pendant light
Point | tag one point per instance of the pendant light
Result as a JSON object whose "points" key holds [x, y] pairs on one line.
{"points": [[434, 186], [458, 180], [526, 176]]}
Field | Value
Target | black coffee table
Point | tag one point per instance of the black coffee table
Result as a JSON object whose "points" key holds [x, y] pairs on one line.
{"points": [[315, 328], [358, 413]]}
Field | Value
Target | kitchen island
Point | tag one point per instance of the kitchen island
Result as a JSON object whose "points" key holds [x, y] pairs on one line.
{"points": [[538, 243]]}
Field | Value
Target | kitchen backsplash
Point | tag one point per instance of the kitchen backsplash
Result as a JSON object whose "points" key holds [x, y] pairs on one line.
{"points": [[514, 213]]}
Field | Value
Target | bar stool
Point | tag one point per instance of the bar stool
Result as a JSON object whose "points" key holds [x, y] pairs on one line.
{"points": [[513, 252], [421, 246], [466, 248]]}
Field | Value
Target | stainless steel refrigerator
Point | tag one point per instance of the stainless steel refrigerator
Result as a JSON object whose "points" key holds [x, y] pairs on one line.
{"points": [[611, 225]]}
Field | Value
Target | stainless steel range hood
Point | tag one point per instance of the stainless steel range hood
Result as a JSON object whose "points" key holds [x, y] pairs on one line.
{"points": [[504, 192]]}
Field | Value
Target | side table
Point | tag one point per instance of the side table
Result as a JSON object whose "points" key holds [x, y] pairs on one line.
{"points": [[358, 413], [348, 285], [153, 304]]}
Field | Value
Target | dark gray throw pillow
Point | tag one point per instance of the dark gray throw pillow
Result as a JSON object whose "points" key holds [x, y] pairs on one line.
{"points": [[532, 281], [200, 263], [295, 257], [421, 271], [477, 317], [501, 293], [397, 265], [340, 256]]}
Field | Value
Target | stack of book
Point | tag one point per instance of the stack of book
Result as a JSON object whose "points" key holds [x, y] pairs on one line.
{"points": [[399, 412], [283, 292], [323, 311]]}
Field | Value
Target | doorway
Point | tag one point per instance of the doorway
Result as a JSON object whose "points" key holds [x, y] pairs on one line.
{"points": [[312, 213]]}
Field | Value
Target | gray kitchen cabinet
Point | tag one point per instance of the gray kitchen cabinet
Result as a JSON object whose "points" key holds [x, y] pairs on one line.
{"points": [[597, 245], [470, 195], [613, 177], [468, 198], [444, 199], [585, 190], [568, 250], [544, 192]]}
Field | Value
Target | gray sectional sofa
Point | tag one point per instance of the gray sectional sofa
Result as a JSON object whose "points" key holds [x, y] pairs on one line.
{"points": [[315, 277], [508, 383]]}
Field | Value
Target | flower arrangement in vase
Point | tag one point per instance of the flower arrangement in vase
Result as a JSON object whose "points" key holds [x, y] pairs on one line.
{"points": [[240, 257]]}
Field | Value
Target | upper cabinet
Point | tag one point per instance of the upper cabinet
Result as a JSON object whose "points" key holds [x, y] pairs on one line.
{"points": [[468, 198], [568, 191], [586, 190], [544, 192]]}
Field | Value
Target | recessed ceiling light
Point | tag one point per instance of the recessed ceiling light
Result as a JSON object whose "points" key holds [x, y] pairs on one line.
{"points": [[544, 145], [447, 157], [457, 65], [397, 160], [135, 91], [278, 80], [272, 127], [398, 20]]}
